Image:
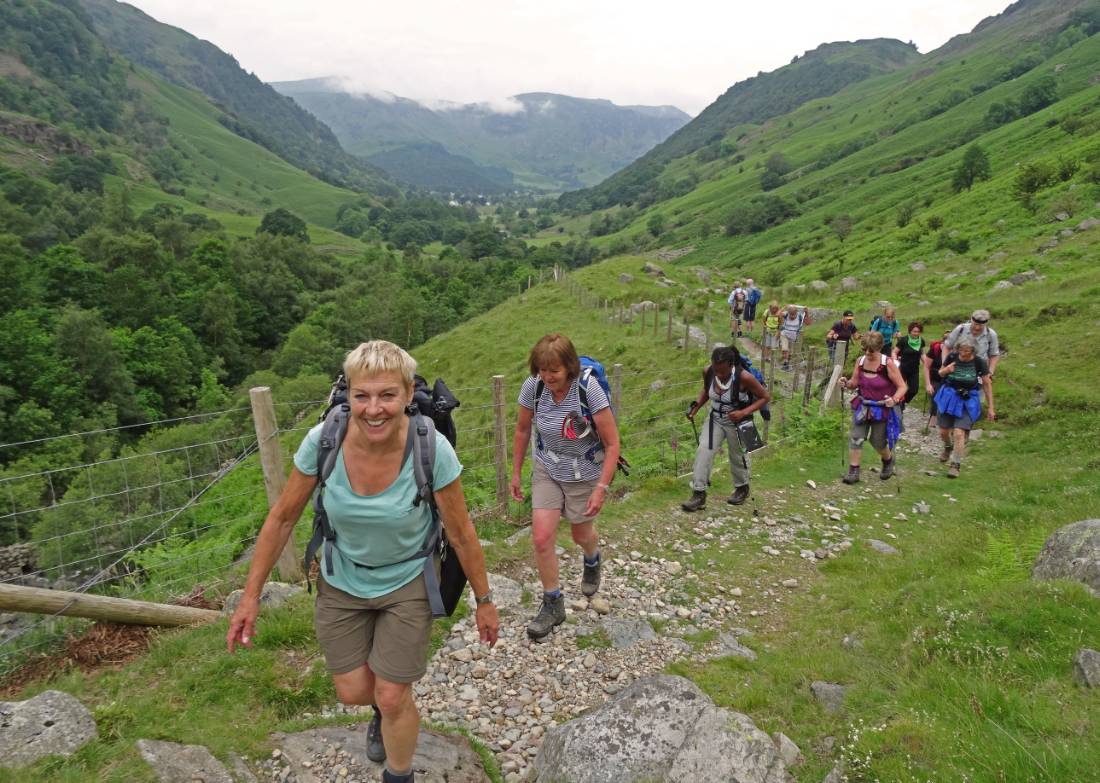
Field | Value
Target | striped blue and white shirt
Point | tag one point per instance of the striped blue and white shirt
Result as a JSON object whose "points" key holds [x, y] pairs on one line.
{"points": [[564, 458]]}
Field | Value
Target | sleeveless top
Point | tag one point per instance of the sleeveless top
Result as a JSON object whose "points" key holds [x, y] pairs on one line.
{"points": [[876, 386], [722, 401]]}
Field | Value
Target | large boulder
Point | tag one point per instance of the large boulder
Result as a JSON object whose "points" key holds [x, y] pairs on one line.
{"points": [[660, 728], [274, 595], [175, 763], [51, 723], [1086, 668], [653, 269], [849, 284], [819, 285], [1072, 552]]}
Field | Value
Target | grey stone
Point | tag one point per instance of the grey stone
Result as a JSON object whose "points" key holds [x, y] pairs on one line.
{"points": [[665, 282], [819, 285], [624, 741], [1086, 668], [1088, 223], [1062, 216], [440, 758], [51, 723], [703, 275], [1002, 285], [518, 536], [657, 385], [836, 775], [881, 547], [1000, 255], [274, 595], [507, 594], [637, 307], [1025, 277], [918, 266], [175, 763], [627, 631], [788, 750], [1072, 552], [626, 278], [652, 269], [239, 770], [849, 284], [922, 508], [851, 642], [829, 694], [729, 645]]}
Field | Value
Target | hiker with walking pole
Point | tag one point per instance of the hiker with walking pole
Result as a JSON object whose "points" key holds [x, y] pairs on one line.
{"points": [[878, 387], [735, 395], [385, 481]]}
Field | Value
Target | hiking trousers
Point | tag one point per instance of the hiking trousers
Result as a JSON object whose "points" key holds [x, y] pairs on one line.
{"points": [[716, 432]]}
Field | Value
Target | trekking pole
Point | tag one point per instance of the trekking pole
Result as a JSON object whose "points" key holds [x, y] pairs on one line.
{"points": [[691, 405]]}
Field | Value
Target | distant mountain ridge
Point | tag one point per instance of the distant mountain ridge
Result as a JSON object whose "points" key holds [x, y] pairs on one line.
{"points": [[544, 139]]}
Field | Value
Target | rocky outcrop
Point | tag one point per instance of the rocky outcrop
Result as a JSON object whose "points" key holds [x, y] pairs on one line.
{"points": [[16, 561], [51, 723], [1072, 552], [274, 595], [176, 763], [1086, 668], [42, 135], [692, 740]]}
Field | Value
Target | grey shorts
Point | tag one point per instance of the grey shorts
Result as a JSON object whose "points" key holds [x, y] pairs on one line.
{"points": [[874, 431], [771, 340], [948, 422], [568, 497], [389, 633]]}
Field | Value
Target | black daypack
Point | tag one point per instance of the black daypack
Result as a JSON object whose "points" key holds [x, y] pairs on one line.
{"points": [[429, 412]]}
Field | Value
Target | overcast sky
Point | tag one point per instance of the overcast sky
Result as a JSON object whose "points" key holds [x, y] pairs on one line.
{"points": [[679, 52]]}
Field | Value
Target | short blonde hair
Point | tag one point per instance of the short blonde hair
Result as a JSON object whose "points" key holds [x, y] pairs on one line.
{"points": [[378, 356], [872, 340]]}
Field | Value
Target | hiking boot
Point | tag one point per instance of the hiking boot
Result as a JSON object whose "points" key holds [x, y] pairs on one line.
{"points": [[946, 453], [590, 579], [389, 777], [887, 469], [853, 475], [698, 501], [953, 471], [376, 751], [739, 496], [552, 613]]}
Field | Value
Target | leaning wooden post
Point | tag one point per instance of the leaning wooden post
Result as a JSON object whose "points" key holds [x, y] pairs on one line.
{"points": [[499, 447], [271, 459], [616, 386], [17, 598]]}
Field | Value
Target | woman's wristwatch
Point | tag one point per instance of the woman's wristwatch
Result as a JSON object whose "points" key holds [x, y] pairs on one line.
{"points": [[485, 599]]}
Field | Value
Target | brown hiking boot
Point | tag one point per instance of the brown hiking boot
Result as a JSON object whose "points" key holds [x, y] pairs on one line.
{"points": [[946, 453], [739, 496], [853, 475], [698, 501], [953, 471], [887, 469]]}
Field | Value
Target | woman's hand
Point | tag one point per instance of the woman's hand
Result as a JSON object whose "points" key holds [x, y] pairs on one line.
{"points": [[947, 369], [517, 488], [488, 623], [692, 412], [930, 389], [242, 625], [736, 416], [990, 414], [595, 501], [843, 382]]}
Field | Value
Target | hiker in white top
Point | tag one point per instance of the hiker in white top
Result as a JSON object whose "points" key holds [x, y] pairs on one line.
{"points": [[737, 299], [575, 457], [790, 329], [986, 345]]}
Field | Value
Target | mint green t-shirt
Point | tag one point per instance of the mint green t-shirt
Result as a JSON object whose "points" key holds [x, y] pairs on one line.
{"points": [[376, 529]]}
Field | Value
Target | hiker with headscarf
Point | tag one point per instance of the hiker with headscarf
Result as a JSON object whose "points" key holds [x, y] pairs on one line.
{"points": [[959, 400], [735, 395], [373, 613], [909, 354], [879, 388], [886, 325], [986, 345], [575, 458]]}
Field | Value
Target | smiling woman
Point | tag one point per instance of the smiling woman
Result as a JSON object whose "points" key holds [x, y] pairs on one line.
{"points": [[373, 615]]}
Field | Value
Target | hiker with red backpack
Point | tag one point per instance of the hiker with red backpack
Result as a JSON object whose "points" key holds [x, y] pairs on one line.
{"points": [[734, 394], [385, 483], [879, 389], [565, 406]]}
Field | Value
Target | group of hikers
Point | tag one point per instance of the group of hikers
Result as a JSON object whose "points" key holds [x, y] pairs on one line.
{"points": [[391, 520]]}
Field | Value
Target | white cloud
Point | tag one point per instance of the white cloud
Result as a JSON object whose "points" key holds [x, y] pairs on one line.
{"points": [[629, 51]]}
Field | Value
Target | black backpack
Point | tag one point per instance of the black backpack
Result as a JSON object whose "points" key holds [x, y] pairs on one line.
{"points": [[429, 411]]}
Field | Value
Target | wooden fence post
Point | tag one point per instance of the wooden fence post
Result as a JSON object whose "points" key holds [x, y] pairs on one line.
{"points": [[271, 459], [771, 385], [687, 335], [499, 436], [643, 319], [669, 308], [809, 381], [656, 318], [616, 386]]}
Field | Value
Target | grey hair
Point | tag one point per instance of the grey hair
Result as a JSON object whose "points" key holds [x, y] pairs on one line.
{"points": [[965, 341]]}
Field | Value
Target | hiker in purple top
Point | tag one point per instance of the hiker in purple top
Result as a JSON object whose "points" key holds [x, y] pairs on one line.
{"points": [[879, 387]]}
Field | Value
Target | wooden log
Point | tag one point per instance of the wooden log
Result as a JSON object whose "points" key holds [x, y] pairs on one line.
{"points": [[17, 598]]}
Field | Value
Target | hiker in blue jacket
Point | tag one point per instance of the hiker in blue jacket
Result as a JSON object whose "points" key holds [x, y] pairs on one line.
{"points": [[575, 458], [373, 616]]}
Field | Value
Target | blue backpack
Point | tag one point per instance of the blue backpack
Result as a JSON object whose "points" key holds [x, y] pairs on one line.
{"points": [[755, 295]]}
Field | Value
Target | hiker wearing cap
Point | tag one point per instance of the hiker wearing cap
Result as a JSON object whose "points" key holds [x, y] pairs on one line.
{"points": [[790, 330], [909, 354], [737, 300], [886, 325], [374, 605], [735, 395], [986, 345], [879, 388], [933, 361], [751, 301], [575, 457], [959, 401], [843, 330], [770, 329]]}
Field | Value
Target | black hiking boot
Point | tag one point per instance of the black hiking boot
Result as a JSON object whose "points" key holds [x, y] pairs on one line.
{"points": [[389, 777], [590, 579], [376, 751], [853, 475], [552, 613], [887, 468], [739, 496], [698, 501]]}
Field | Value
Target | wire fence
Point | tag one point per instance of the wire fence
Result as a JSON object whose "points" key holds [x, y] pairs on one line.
{"points": [[184, 508]]}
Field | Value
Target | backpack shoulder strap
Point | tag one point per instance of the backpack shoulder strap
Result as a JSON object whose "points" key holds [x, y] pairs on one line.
{"points": [[582, 389], [421, 440], [333, 431]]}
